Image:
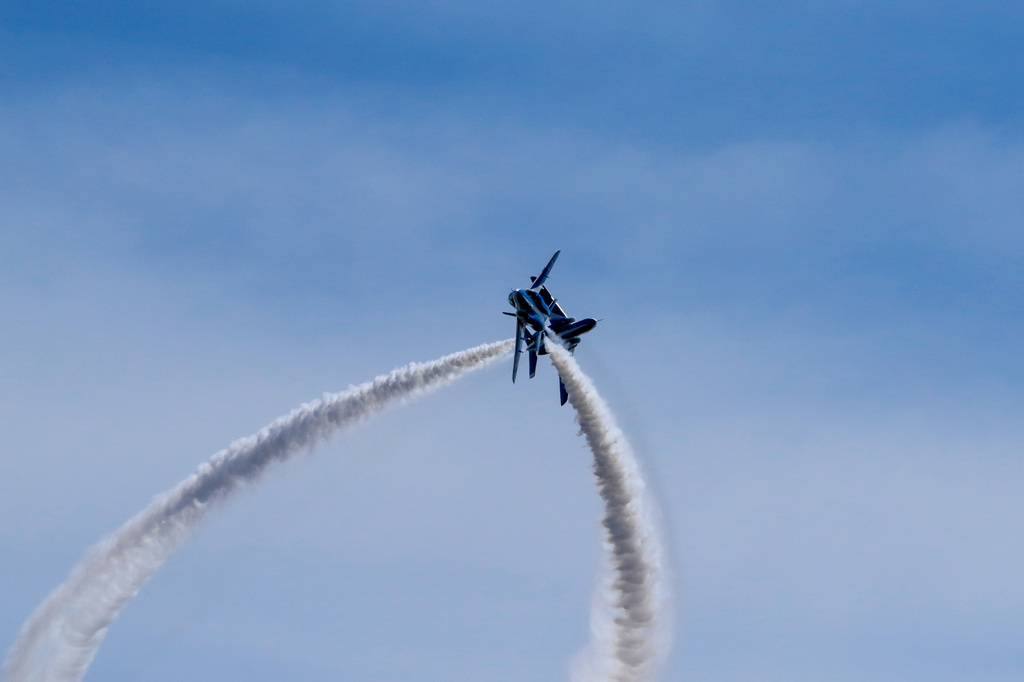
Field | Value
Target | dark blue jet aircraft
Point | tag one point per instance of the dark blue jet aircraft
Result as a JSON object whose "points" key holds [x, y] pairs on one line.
{"points": [[538, 315]]}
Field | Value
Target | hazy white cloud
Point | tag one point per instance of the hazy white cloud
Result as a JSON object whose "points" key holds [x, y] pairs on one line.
{"points": [[153, 179]]}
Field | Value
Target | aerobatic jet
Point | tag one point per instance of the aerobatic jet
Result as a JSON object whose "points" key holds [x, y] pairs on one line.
{"points": [[538, 316]]}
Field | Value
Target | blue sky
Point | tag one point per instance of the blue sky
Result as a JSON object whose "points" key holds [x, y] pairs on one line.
{"points": [[799, 223]]}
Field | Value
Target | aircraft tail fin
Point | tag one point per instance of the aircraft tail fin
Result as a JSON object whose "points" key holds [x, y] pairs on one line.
{"points": [[562, 393]]}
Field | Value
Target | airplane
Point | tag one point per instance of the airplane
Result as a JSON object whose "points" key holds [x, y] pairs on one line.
{"points": [[538, 315]]}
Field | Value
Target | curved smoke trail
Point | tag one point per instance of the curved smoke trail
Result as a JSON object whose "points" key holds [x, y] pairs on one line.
{"points": [[60, 638], [636, 637]]}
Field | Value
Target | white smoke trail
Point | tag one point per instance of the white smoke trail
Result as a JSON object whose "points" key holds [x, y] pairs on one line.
{"points": [[58, 641], [628, 647]]}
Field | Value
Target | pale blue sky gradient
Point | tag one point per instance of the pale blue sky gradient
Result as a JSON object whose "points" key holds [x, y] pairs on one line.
{"points": [[800, 224]]}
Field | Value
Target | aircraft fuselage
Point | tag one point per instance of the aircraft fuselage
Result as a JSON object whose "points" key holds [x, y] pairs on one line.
{"points": [[530, 308]]}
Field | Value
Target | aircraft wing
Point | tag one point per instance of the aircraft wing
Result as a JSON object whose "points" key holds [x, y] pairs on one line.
{"points": [[556, 309], [543, 276], [519, 347]]}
